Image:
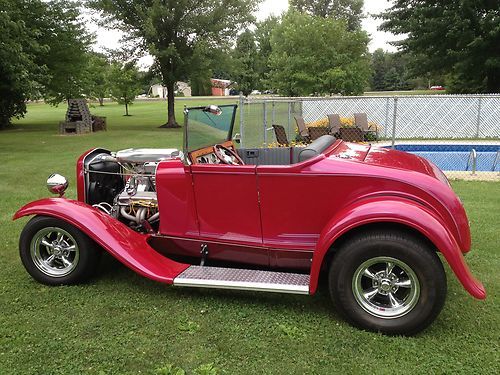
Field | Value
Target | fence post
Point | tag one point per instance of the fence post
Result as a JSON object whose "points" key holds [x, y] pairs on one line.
{"points": [[242, 122], [386, 125], [273, 114], [394, 120], [478, 123], [264, 108], [289, 118]]}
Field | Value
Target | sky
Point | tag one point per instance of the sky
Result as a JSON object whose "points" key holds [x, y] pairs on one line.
{"points": [[111, 39]]}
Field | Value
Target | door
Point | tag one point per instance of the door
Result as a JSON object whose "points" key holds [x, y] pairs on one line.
{"points": [[227, 207]]}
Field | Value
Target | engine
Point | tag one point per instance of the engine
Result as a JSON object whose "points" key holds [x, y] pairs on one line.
{"points": [[123, 185]]}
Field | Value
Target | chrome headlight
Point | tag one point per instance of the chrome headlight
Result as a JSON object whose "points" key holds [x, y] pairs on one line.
{"points": [[57, 184]]}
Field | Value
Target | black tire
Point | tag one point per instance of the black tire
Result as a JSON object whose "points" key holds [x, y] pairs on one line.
{"points": [[42, 252], [370, 295]]}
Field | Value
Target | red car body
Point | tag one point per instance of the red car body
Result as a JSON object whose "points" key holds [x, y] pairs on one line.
{"points": [[249, 214]]}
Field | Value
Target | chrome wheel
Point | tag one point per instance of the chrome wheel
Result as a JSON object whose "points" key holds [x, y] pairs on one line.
{"points": [[386, 287], [54, 251]]}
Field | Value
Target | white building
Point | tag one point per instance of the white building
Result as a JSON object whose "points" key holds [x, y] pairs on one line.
{"points": [[160, 91]]}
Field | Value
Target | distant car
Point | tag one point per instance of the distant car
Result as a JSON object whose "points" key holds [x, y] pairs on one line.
{"points": [[233, 92], [368, 221], [255, 92], [437, 88]]}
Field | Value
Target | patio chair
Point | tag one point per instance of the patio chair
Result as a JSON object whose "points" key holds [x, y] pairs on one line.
{"points": [[351, 134], [361, 121], [317, 131], [334, 124], [303, 131], [281, 138]]}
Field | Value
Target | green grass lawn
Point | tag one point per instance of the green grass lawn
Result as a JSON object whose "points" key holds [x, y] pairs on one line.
{"points": [[123, 323]]}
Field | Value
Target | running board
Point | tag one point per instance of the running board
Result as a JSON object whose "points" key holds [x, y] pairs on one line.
{"points": [[243, 279]]}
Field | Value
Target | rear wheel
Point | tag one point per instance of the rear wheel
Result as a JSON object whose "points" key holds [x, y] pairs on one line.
{"points": [[390, 282], [55, 252]]}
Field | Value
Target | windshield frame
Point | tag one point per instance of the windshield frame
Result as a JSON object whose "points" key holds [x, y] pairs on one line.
{"points": [[229, 137]]}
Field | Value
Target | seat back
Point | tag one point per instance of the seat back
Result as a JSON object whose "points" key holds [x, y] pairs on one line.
{"points": [[334, 123], [301, 124], [361, 121], [280, 133]]}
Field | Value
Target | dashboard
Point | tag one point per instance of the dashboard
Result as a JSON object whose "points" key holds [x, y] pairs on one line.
{"points": [[207, 155]]}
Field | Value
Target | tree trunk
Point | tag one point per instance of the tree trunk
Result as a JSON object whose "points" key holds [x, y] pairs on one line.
{"points": [[101, 102], [171, 122], [126, 108]]}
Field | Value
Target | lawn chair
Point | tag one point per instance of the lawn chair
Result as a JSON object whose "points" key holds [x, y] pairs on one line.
{"points": [[281, 138], [351, 134], [334, 124], [361, 121], [317, 131], [303, 131]]}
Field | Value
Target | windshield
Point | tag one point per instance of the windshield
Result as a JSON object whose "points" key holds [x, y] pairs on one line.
{"points": [[207, 126]]}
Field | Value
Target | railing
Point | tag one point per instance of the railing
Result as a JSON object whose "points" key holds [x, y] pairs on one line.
{"points": [[473, 158]]}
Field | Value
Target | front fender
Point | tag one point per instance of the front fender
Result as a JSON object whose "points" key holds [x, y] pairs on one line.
{"points": [[401, 211], [129, 247]]}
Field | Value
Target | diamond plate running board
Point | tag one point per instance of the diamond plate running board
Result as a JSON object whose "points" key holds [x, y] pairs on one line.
{"points": [[243, 279]]}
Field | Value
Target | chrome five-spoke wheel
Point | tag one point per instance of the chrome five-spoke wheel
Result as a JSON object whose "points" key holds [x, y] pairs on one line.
{"points": [[386, 287], [389, 281], [54, 251]]}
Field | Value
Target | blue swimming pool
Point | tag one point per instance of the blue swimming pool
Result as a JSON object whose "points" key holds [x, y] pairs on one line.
{"points": [[454, 157]]}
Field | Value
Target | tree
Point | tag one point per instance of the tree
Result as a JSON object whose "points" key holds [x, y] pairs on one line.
{"points": [[98, 71], [457, 38], [125, 83], [263, 33], [170, 30], [245, 56], [18, 71], [35, 55], [349, 10], [390, 71], [314, 55], [66, 56]]}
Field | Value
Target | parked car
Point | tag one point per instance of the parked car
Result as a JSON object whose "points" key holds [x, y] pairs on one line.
{"points": [[437, 88], [369, 221]]}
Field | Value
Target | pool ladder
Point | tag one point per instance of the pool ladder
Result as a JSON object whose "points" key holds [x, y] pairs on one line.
{"points": [[472, 160]]}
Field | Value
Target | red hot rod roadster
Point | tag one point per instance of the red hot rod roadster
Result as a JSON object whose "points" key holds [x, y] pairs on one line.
{"points": [[371, 220]]}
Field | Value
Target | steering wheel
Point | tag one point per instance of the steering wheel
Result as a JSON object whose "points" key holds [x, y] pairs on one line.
{"points": [[227, 156]]}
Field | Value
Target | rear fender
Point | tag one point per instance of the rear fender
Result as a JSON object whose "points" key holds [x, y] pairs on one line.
{"points": [[401, 211], [129, 247]]}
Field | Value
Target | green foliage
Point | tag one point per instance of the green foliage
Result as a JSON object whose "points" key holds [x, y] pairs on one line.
{"points": [[125, 83], [172, 30], [263, 33], [207, 369], [98, 80], [389, 71], [43, 46], [246, 63], [348, 10], [169, 369], [458, 38], [315, 55]]}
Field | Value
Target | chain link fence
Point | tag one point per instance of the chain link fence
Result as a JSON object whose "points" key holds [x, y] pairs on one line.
{"points": [[459, 133]]}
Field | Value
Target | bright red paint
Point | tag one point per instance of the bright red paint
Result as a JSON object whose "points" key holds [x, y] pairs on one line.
{"points": [[126, 245], [282, 216]]}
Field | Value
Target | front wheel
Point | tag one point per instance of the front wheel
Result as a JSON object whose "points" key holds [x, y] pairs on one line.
{"points": [[389, 282], [54, 252]]}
